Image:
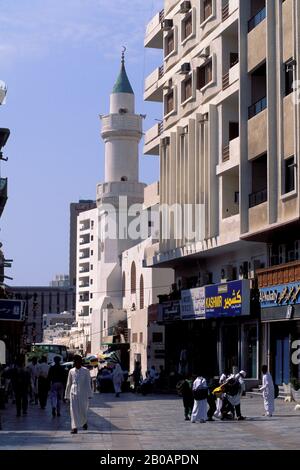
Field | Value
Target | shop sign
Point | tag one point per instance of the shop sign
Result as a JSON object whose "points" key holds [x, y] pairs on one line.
{"points": [[12, 310], [193, 304], [169, 311], [281, 295], [230, 299]]}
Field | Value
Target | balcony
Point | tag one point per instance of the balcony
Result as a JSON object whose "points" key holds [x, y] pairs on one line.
{"points": [[255, 199], [3, 194], [154, 32], [230, 156], [257, 135], [84, 254], [232, 76], [152, 139], [84, 268], [257, 40], [229, 8], [257, 107], [154, 85], [84, 240], [280, 274], [84, 297], [257, 19], [84, 225]]}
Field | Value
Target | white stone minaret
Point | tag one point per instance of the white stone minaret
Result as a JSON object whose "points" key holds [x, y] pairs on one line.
{"points": [[121, 132]]}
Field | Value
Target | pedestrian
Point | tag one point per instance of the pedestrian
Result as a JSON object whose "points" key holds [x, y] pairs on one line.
{"points": [[136, 375], [219, 395], [93, 375], [21, 386], [56, 380], [211, 399], [43, 384], [234, 388], [33, 368], [184, 389], [118, 378], [78, 391], [268, 390], [200, 393]]}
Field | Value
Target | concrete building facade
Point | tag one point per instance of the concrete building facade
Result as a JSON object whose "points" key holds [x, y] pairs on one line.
{"points": [[229, 142]]}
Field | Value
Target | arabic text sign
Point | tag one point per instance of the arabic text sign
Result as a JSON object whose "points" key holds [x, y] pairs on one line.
{"points": [[193, 303], [276, 296], [228, 300], [169, 311], [12, 310]]}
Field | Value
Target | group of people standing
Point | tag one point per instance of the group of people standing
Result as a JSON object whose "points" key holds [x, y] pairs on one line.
{"points": [[205, 399]]}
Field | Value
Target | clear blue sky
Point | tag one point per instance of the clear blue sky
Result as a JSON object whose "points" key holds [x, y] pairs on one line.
{"points": [[60, 59]]}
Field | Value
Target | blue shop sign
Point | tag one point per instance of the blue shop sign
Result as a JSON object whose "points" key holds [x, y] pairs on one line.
{"points": [[169, 311], [281, 295], [230, 299], [12, 310]]}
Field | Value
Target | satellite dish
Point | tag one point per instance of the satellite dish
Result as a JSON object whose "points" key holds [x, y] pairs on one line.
{"points": [[3, 91]]}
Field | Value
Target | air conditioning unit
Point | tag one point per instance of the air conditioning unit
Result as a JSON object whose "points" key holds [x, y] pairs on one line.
{"points": [[165, 141], [185, 68], [185, 7], [167, 25]]}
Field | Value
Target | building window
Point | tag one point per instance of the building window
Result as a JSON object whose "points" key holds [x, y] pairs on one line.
{"points": [[141, 337], [169, 43], [186, 89], [134, 337], [187, 26], [289, 175], [91, 296], [169, 102], [289, 77], [205, 75], [157, 337], [133, 278], [141, 292], [207, 10], [123, 284], [91, 310], [92, 252]]}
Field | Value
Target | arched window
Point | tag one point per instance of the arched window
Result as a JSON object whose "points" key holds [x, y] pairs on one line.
{"points": [[141, 292], [133, 278], [123, 285]]}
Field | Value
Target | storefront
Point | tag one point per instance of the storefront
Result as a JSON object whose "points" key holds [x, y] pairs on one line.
{"points": [[280, 317], [216, 327]]}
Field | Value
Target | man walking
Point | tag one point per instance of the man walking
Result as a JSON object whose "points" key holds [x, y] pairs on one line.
{"points": [[33, 370], [78, 391], [43, 384], [56, 379], [21, 386], [268, 392]]}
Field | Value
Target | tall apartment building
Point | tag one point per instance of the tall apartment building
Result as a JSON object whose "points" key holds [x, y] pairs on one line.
{"points": [[229, 142], [75, 209]]}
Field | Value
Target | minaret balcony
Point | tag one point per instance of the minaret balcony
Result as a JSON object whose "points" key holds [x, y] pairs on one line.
{"points": [[118, 123], [154, 32]]}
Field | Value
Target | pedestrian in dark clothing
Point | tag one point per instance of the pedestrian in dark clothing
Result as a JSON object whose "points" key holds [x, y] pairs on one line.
{"points": [[136, 376], [211, 399], [21, 387], [56, 379], [184, 389]]}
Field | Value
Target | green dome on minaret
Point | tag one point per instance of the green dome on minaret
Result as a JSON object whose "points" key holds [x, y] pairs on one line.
{"points": [[122, 84]]}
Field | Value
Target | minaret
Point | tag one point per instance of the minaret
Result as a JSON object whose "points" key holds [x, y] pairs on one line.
{"points": [[122, 132]]}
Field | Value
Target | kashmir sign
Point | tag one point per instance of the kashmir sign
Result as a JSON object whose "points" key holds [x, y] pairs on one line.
{"points": [[193, 304], [230, 299], [281, 295], [12, 310]]}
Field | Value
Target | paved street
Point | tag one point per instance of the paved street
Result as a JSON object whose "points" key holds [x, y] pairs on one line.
{"points": [[150, 423]]}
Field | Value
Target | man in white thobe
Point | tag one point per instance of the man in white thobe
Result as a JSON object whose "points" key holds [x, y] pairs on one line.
{"points": [[268, 392], [200, 389], [78, 391]]}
